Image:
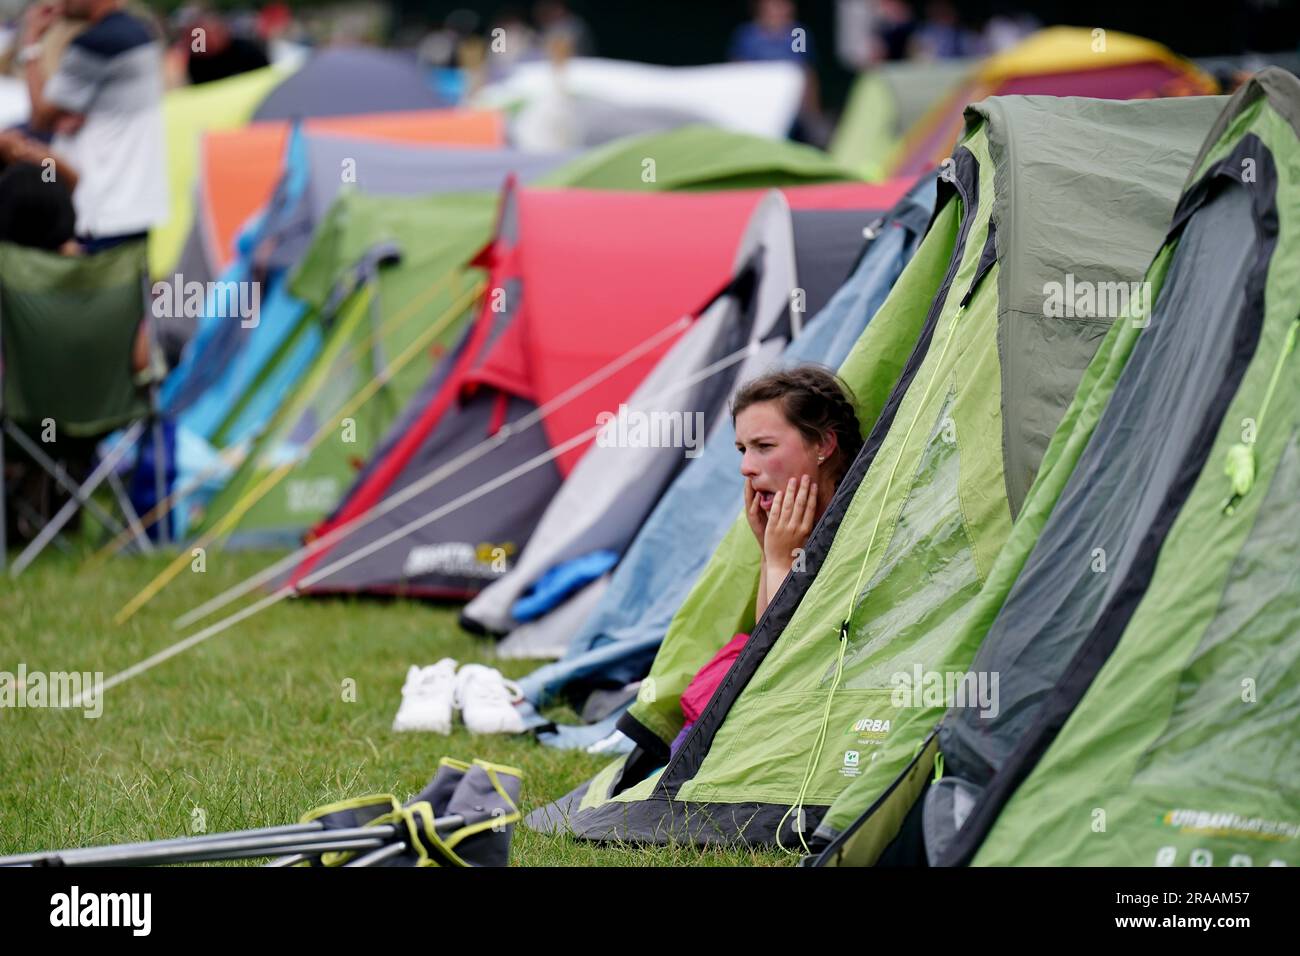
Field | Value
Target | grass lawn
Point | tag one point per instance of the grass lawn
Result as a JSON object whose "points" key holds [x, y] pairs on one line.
{"points": [[251, 727]]}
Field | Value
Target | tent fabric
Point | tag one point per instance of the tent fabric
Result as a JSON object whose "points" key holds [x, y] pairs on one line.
{"points": [[392, 169], [894, 566], [1058, 61], [614, 488], [561, 581], [345, 81], [699, 157], [574, 259], [348, 234], [401, 301], [616, 642], [236, 378], [575, 255], [884, 102], [608, 494], [1134, 703], [759, 99], [188, 113], [240, 168]]}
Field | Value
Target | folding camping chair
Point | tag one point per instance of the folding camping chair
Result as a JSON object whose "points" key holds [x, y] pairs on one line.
{"points": [[67, 329]]}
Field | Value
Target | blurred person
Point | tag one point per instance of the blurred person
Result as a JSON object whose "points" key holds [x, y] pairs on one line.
{"points": [[855, 27], [555, 20], [942, 36], [774, 34], [36, 188], [104, 105], [893, 27], [216, 52], [440, 47], [37, 211], [1005, 29]]}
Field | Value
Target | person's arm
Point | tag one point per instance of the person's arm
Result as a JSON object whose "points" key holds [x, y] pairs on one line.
{"points": [[17, 148], [62, 112]]}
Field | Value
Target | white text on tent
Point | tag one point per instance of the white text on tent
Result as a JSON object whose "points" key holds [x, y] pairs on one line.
{"points": [[633, 428], [922, 688]]}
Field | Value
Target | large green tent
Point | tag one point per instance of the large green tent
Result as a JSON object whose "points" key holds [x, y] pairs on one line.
{"points": [[962, 378], [381, 344], [1144, 616]]}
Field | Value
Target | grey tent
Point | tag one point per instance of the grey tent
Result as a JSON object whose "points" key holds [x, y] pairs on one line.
{"points": [[346, 81]]}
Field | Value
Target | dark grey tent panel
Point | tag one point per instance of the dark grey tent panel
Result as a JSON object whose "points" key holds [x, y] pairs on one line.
{"points": [[454, 566], [352, 80], [1118, 504], [827, 244]]}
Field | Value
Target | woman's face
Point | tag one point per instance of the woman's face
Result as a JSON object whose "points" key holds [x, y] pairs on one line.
{"points": [[773, 451]]}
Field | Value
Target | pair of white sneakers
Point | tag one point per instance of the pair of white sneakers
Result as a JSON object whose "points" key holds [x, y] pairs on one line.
{"points": [[485, 699]]}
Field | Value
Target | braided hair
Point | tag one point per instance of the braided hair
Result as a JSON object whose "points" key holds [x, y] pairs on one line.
{"points": [[815, 401]]}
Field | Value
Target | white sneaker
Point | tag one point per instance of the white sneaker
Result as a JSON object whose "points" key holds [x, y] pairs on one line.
{"points": [[427, 698], [487, 701]]}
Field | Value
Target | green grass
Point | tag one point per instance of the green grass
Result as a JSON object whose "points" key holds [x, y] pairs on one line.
{"points": [[250, 727]]}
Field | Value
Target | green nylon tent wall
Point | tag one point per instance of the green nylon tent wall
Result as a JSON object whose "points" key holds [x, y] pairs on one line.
{"points": [[1170, 739], [438, 236], [1043, 190]]}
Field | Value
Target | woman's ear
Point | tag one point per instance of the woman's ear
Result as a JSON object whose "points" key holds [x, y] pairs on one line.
{"points": [[826, 447]]}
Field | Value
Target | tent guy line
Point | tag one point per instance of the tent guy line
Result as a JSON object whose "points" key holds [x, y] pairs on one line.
{"points": [[446, 470], [275, 597], [273, 478]]}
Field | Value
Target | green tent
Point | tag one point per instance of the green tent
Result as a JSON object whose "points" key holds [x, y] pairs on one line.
{"points": [[884, 103], [382, 343], [1143, 616], [962, 378]]}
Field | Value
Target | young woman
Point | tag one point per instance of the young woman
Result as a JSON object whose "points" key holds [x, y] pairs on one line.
{"points": [[797, 432]]}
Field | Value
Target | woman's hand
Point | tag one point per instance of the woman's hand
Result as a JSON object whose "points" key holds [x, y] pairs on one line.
{"points": [[789, 523], [754, 513]]}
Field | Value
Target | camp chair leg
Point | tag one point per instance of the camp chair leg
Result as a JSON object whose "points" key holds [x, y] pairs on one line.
{"points": [[56, 471], [80, 496], [23, 510], [4, 514], [160, 479], [141, 538]]}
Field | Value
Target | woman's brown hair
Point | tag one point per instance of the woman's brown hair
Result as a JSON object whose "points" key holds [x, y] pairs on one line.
{"points": [[814, 400]]}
